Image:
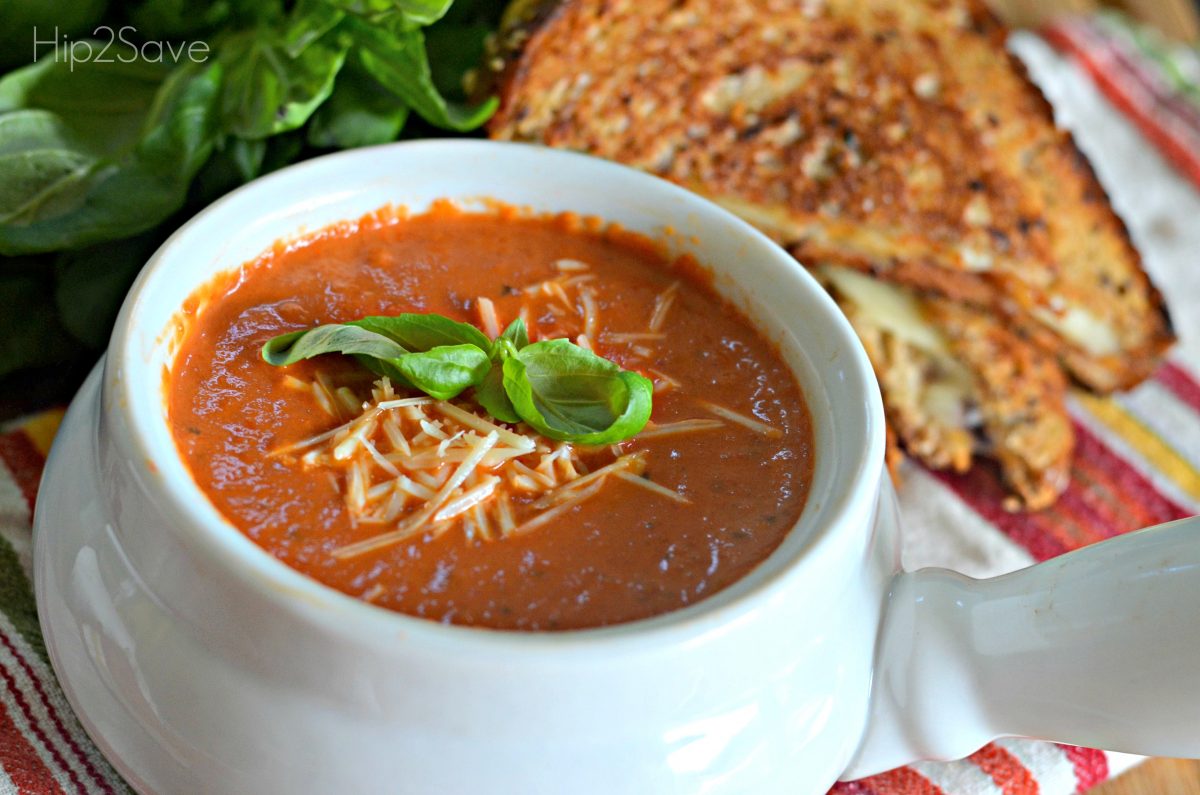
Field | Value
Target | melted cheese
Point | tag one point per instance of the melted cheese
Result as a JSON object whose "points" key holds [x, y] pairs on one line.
{"points": [[892, 308], [1084, 329]]}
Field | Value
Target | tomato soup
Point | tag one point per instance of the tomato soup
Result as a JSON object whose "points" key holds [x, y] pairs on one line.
{"points": [[435, 509]]}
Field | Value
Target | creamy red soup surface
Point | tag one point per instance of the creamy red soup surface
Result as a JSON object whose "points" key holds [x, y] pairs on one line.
{"points": [[540, 534]]}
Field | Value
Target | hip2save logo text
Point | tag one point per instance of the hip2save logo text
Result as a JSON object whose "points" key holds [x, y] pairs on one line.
{"points": [[100, 49]]}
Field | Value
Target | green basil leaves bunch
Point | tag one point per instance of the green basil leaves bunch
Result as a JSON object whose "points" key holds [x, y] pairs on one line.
{"points": [[111, 139], [559, 389]]}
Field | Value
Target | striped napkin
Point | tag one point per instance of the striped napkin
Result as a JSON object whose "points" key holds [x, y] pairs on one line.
{"points": [[1134, 107], [1138, 461]]}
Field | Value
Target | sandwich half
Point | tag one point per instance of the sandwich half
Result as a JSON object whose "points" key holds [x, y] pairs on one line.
{"points": [[898, 140]]}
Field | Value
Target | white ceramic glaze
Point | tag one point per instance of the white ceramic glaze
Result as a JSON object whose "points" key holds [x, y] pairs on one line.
{"points": [[200, 663]]}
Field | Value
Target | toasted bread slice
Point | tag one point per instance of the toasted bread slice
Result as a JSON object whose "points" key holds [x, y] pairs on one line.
{"points": [[957, 382], [898, 138]]}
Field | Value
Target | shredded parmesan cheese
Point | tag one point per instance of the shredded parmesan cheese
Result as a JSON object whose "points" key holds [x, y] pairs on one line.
{"points": [[487, 317], [475, 422], [591, 315], [743, 420], [683, 426], [633, 462], [468, 499], [417, 523], [504, 515], [325, 401], [662, 304], [578, 496], [650, 485], [347, 401], [570, 265], [635, 337], [413, 466], [662, 381]]}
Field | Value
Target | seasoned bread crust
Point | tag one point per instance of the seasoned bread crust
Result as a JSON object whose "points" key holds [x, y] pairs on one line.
{"points": [[1021, 395], [900, 139], [983, 390]]}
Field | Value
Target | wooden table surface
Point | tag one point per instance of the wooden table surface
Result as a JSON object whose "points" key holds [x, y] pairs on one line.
{"points": [[1156, 777]]}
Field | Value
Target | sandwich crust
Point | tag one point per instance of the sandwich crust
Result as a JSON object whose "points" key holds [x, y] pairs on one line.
{"points": [[900, 139], [963, 384]]}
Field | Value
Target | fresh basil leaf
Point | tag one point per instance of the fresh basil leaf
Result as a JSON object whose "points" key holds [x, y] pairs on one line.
{"points": [[360, 112], [502, 350], [309, 21], [235, 162], [46, 168], [397, 59], [282, 150], [334, 338], [491, 395], [105, 103], [516, 333], [246, 157], [415, 12], [268, 91], [418, 332], [72, 18], [455, 49], [90, 283], [569, 393], [157, 20], [58, 126], [71, 194], [445, 371], [30, 331]]}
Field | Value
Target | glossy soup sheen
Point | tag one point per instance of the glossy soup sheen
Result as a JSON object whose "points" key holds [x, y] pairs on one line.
{"points": [[622, 555]]}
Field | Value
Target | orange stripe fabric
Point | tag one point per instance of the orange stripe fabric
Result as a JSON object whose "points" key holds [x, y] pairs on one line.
{"points": [[1006, 771]]}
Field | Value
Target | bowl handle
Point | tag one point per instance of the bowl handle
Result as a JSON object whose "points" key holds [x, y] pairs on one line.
{"points": [[1099, 648]]}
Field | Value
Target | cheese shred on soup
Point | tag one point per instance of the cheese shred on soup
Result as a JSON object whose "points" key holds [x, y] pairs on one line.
{"points": [[435, 508]]}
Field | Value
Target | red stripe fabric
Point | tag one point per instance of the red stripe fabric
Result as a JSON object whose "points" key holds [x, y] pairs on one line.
{"points": [[19, 760], [1138, 77], [1107, 497], [1146, 505], [1006, 771], [1180, 383], [56, 719], [983, 490], [1152, 118], [24, 462], [1091, 766]]}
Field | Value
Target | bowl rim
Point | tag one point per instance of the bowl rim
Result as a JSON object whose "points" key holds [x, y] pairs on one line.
{"points": [[209, 531]]}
